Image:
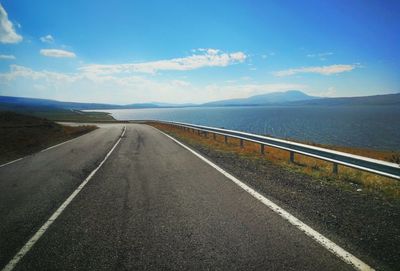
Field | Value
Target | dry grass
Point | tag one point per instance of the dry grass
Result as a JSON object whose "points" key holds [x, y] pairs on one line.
{"points": [[303, 164], [21, 135]]}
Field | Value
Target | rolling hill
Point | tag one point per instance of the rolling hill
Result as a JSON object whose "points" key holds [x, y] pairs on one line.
{"points": [[386, 99], [288, 98], [265, 99]]}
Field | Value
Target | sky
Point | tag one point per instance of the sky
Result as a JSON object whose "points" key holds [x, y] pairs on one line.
{"points": [[197, 51]]}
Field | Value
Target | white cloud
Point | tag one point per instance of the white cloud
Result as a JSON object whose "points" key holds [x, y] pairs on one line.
{"points": [[57, 53], [207, 58], [321, 56], [17, 71], [329, 92], [7, 31], [47, 39], [122, 89], [7, 57], [325, 70], [208, 50]]}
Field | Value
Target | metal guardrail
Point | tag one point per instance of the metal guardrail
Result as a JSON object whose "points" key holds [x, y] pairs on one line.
{"points": [[379, 167]]}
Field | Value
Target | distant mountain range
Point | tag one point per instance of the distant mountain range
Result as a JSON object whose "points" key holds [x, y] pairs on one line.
{"points": [[288, 98], [385, 99], [265, 99], [23, 101]]}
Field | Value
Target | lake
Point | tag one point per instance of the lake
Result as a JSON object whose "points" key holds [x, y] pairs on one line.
{"points": [[375, 127]]}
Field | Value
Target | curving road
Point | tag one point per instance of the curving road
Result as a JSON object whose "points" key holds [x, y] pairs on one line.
{"points": [[151, 205]]}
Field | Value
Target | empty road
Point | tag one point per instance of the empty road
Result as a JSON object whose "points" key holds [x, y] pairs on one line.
{"points": [[151, 205]]}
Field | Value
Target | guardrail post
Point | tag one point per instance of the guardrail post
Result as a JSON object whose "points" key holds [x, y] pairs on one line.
{"points": [[205, 134], [335, 168], [198, 132], [241, 143], [337, 159]]}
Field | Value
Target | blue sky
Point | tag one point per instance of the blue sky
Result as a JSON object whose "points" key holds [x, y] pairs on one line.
{"points": [[197, 51]]}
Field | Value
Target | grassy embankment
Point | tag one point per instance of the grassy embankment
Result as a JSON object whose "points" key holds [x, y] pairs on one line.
{"points": [[318, 169], [57, 114], [21, 135], [75, 116]]}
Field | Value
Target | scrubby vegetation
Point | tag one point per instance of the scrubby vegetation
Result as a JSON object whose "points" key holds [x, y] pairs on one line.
{"points": [[57, 114], [319, 169], [21, 135]]}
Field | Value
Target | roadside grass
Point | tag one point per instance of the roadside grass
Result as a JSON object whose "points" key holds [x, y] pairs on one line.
{"points": [[347, 178], [57, 114], [74, 116], [21, 135]]}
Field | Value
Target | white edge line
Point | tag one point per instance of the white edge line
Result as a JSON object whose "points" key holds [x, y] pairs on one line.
{"points": [[49, 148], [22, 252], [319, 238], [16, 160], [59, 144]]}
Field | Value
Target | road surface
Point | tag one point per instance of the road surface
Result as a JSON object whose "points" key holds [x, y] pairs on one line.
{"points": [[152, 205]]}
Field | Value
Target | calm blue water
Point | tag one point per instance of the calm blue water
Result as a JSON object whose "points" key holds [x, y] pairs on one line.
{"points": [[376, 127]]}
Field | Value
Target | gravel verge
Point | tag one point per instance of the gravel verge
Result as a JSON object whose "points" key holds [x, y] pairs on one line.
{"points": [[365, 224]]}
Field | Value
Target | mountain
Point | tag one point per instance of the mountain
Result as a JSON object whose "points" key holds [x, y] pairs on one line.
{"points": [[22, 101], [33, 102], [385, 99], [265, 99], [173, 104], [288, 98]]}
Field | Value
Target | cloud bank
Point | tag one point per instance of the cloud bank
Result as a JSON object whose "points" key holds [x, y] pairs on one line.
{"points": [[7, 31], [47, 39], [7, 57], [126, 89], [57, 53], [204, 58], [324, 70]]}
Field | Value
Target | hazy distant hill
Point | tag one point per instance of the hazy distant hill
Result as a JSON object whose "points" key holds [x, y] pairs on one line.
{"points": [[35, 102], [22, 101], [289, 98], [386, 99], [265, 99]]}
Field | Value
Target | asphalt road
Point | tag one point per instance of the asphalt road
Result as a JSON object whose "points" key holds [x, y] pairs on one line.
{"points": [[152, 205]]}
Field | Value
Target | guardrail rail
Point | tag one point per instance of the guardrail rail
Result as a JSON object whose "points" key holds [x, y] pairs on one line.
{"points": [[376, 166]]}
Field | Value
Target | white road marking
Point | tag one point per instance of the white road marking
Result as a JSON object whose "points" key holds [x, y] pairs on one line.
{"points": [[57, 145], [322, 240], [14, 261], [16, 160], [49, 148]]}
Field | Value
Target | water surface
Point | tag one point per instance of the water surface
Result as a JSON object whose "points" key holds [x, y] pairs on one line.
{"points": [[376, 127]]}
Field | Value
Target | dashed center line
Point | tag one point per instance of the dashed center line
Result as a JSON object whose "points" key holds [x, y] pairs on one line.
{"points": [[25, 249]]}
